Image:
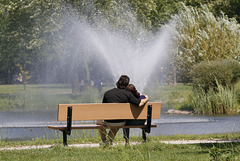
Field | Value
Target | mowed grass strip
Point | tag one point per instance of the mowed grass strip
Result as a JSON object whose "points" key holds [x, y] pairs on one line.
{"points": [[145, 151], [152, 150]]}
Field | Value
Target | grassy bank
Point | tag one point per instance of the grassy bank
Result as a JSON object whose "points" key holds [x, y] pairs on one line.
{"points": [[173, 96], [153, 150], [43, 96], [48, 96]]}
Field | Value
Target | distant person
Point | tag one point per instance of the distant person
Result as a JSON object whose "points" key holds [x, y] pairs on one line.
{"points": [[131, 88], [97, 84], [118, 95], [82, 85]]}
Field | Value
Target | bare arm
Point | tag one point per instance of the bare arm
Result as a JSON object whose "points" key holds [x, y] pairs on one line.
{"points": [[143, 101]]}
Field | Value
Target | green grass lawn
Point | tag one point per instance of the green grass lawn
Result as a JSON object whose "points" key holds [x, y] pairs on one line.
{"points": [[173, 96], [43, 96], [48, 96], [35, 89], [152, 150]]}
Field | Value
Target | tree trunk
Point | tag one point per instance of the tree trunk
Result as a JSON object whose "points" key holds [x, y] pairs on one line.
{"points": [[174, 75], [87, 71], [75, 83]]}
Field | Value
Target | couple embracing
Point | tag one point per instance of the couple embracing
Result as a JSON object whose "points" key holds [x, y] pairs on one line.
{"points": [[124, 93]]}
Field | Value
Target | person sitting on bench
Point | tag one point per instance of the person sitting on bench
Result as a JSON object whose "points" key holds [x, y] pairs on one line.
{"points": [[131, 88], [118, 95]]}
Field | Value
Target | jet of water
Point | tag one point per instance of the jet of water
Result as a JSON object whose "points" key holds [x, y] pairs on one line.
{"points": [[137, 59], [135, 53]]}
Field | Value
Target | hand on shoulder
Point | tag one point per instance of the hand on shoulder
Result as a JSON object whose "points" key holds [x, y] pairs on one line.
{"points": [[146, 96], [144, 101]]}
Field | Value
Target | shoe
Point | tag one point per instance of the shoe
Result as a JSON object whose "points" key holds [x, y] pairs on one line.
{"points": [[104, 144]]}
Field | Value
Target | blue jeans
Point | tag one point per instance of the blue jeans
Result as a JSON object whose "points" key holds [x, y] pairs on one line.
{"points": [[131, 122]]}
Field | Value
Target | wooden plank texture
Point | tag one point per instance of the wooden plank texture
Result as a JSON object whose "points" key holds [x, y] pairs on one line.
{"points": [[108, 111]]}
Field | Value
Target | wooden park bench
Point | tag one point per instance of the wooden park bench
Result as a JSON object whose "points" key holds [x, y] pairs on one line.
{"points": [[105, 111]]}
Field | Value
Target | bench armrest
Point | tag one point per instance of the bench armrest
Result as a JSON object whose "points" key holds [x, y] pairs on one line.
{"points": [[149, 119], [69, 120]]}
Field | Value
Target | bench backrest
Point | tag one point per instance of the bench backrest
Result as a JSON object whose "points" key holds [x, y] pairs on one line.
{"points": [[108, 111]]}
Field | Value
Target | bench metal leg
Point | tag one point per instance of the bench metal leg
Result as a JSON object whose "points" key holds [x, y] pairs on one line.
{"points": [[144, 137], [69, 126], [65, 138], [126, 134], [149, 119]]}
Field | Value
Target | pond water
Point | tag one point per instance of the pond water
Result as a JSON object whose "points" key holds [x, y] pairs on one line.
{"points": [[25, 125]]}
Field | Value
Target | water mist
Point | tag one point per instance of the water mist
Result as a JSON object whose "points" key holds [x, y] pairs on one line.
{"points": [[135, 53]]}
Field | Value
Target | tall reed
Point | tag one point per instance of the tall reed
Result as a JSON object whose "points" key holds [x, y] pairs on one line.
{"points": [[220, 101]]}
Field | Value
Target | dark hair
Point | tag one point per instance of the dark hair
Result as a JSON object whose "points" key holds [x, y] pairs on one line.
{"points": [[123, 82], [132, 88]]}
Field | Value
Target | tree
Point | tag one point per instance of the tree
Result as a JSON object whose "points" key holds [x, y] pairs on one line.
{"points": [[25, 76], [217, 7], [203, 37], [228, 7], [25, 30]]}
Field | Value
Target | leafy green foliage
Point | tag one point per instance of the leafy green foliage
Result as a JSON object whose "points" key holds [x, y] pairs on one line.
{"points": [[31, 31], [213, 84], [229, 7], [203, 37], [25, 29], [25, 75], [208, 75]]}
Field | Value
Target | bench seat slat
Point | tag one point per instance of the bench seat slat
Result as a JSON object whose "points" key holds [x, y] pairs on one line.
{"points": [[94, 126], [108, 111]]}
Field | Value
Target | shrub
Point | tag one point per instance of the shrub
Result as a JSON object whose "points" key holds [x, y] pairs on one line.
{"points": [[238, 96], [207, 75], [224, 101], [201, 37]]}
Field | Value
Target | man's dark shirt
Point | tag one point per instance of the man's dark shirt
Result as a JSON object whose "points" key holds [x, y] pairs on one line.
{"points": [[117, 95]]}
